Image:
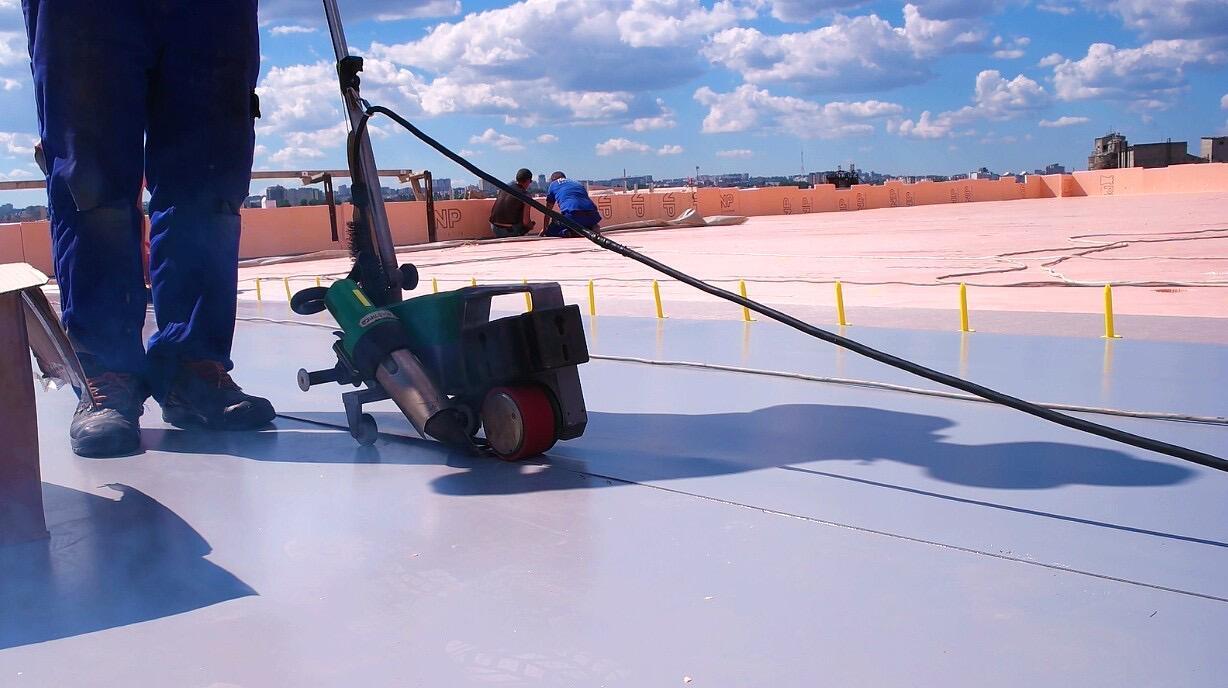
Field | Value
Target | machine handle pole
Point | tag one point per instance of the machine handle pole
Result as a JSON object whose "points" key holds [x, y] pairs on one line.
{"points": [[367, 171]]}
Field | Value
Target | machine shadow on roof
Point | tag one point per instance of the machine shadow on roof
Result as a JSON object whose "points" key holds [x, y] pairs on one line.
{"points": [[655, 446]]}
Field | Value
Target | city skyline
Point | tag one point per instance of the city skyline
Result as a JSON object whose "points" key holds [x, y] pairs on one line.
{"points": [[926, 87]]}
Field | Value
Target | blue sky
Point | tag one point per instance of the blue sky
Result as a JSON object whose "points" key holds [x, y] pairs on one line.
{"points": [[661, 86]]}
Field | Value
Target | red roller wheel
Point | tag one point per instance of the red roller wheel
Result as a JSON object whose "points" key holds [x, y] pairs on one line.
{"points": [[519, 421]]}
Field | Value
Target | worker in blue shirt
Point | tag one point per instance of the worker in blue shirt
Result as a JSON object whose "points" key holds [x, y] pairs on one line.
{"points": [[574, 203], [163, 91]]}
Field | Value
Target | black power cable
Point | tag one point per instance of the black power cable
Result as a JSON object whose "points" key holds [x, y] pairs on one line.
{"points": [[804, 327]]}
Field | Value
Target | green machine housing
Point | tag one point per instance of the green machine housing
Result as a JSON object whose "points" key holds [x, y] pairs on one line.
{"points": [[464, 352]]}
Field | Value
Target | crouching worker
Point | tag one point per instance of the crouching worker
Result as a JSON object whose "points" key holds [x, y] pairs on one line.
{"points": [[509, 216], [574, 203]]}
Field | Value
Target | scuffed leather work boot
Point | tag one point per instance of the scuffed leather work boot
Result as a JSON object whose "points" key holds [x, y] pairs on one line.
{"points": [[203, 394], [108, 423]]}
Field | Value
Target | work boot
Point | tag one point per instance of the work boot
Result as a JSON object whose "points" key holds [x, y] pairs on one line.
{"points": [[203, 394], [108, 423]]}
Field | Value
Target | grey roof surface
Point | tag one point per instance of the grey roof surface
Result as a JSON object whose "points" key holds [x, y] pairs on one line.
{"points": [[728, 528]]}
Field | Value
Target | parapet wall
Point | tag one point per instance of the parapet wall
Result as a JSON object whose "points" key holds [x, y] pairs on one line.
{"points": [[287, 231]]}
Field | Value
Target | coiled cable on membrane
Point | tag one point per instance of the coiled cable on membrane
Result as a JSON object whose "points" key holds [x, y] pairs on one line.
{"points": [[917, 369]]}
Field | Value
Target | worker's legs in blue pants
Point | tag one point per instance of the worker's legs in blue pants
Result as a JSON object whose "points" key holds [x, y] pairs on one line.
{"points": [[107, 74], [198, 164], [161, 88], [89, 61]]}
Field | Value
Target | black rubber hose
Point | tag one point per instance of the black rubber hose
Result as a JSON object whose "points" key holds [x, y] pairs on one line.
{"points": [[857, 347]]}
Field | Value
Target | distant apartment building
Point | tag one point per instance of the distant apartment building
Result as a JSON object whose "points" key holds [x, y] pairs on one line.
{"points": [[1051, 168], [282, 197], [1214, 148], [635, 181], [1158, 155], [275, 193], [442, 187], [731, 179], [1113, 151], [1107, 152], [32, 213], [984, 173]]}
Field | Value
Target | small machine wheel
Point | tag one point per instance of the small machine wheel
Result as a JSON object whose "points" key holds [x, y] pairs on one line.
{"points": [[304, 379], [367, 430], [519, 421]]}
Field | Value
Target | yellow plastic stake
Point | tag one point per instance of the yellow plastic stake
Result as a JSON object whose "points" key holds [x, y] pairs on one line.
{"points": [[1109, 332], [656, 295], [434, 286], [745, 311], [963, 309], [840, 305], [317, 280], [286, 282], [473, 281], [258, 297], [592, 299], [528, 298]]}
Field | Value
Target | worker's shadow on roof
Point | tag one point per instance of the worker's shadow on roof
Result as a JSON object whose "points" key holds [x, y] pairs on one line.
{"points": [[108, 563], [637, 447]]}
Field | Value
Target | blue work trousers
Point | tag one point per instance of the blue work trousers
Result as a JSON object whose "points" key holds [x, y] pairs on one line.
{"points": [[585, 218], [162, 90]]}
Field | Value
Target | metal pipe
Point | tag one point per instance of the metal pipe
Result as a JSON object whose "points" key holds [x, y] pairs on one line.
{"points": [[411, 388]]}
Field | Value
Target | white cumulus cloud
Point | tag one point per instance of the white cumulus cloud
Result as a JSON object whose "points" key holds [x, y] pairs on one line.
{"points": [[664, 23], [381, 10], [20, 174], [1063, 121], [663, 120], [1150, 77], [994, 98], [863, 53], [736, 153], [621, 145], [301, 106], [748, 107], [1055, 8], [1173, 18], [291, 28], [611, 46], [293, 156], [669, 149], [13, 49], [860, 54], [803, 11], [1010, 49], [930, 37], [494, 139], [17, 143], [547, 138]]}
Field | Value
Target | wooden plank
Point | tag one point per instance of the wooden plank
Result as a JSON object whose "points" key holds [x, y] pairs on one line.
{"points": [[21, 499]]}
